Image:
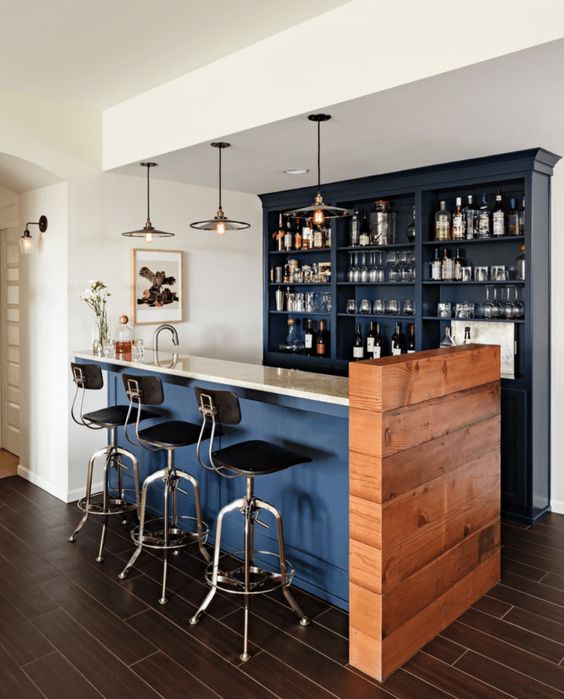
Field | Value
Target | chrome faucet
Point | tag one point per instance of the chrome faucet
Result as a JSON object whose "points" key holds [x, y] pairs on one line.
{"points": [[173, 332]]}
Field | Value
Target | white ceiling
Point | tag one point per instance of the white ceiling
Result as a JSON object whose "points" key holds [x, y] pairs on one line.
{"points": [[509, 103], [96, 53]]}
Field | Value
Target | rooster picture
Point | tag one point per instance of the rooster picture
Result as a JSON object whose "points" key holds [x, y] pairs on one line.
{"points": [[159, 294]]}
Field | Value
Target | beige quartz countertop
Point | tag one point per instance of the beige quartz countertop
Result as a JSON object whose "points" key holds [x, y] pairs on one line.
{"points": [[288, 382]]}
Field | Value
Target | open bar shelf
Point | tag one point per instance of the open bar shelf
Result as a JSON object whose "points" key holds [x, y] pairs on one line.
{"points": [[525, 404]]}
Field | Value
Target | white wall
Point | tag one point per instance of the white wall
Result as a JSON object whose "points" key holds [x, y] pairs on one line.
{"points": [[44, 342]]}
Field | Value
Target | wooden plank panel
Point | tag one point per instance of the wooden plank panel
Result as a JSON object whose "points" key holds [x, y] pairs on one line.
{"points": [[407, 427], [365, 521], [365, 476], [365, 566]]}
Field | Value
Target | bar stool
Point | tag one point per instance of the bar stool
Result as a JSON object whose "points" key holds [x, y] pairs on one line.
{"points": [[163, 533], [88, 377], [247, 459]]}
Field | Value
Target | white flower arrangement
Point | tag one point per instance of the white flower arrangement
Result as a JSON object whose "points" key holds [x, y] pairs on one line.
{"points": [[96, 297]]}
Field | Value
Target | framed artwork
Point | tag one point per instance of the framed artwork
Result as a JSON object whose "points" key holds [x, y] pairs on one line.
{"points": [[156, 286]]}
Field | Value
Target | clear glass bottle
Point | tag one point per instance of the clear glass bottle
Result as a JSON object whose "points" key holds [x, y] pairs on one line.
{"points": [[447, 339], [293, 343], [498, 217], [124, 339], [458, 264], [484, 218], [447, 267], [436, 267], [458, 221], [471, 218], [442, 222]]}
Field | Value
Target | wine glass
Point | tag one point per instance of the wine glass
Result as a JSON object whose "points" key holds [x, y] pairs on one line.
{"points": [[351, 306]]}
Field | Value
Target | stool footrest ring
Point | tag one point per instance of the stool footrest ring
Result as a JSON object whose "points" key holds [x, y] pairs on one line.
{"points": [[178, 536], [115, 504], [261, 581]]}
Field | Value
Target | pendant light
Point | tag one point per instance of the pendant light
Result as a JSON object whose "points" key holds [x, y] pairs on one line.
{"points": [[319, 211], [220, 223], [148, 232]]}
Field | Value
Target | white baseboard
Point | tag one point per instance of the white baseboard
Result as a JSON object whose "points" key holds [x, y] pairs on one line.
{"points": [[557, 506], [64, 495]]}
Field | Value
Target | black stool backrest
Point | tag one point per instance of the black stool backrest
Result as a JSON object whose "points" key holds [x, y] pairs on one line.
{"points": [[225, 404], [87, 376], [146, 390]]}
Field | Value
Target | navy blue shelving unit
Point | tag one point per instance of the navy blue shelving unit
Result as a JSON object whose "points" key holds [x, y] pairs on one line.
{"points": [[525, 399]]}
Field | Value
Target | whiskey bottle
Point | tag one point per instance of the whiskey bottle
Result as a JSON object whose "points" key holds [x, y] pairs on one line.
{"points": [[298, 238], [436, 267], [397, 341], [498, 217], [322, 341], [458, 222], [442, 223], [484, 218], [358, 344], [471, 218], [458, 264], [522, 218], [308, 338], [447, 267], [411, 228], [278, 235], [513, 218], [411, 338], [319, 237], [364, 237]]}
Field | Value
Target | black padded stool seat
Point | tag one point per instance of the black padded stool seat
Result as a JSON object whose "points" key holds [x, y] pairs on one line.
{"points": [[255, 457], [115, 415], [174, 433]]}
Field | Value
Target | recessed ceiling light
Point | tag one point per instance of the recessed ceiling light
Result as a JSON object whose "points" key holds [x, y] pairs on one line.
{"points": [[296, 171]]}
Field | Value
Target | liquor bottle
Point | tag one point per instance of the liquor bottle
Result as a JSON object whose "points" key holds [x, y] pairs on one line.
{"points": [[442, 223], [289, 235], [458, 264], [364, 237], [520, 264], [307, 236], [124, 339], [513, 218], [411, 228], [278, 235], [411, 338], [484, 218], [358, 344], [308, 338], [447, 339], [467, 340], [319, 237], [447, 267], [328, 236], [498, 217], [298, 237], [436, 267], [397, 341], [355, 229], [458, 222], [471, 218], [322, 341], [522, 218]]}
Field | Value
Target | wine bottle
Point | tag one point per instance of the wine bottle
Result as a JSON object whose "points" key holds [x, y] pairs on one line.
{"points": [[308, 338], [442, 223], [498, 217], [358, 344], [411, 338], [458, 227], [397, 341], [322, 343], [370, 338]]}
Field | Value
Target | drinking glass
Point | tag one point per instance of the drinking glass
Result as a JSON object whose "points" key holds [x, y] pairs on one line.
{"points": [[444, 310], [481, 274], [378, 307], [310, 304], [408, 307], [351, 306], [364, 306], [394, 269], [392, 307], [467, 274], [138, 350], [109, 349], [498, 273]]}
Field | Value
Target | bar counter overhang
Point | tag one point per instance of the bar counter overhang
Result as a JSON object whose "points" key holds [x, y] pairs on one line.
{"points": [[403, 529]]}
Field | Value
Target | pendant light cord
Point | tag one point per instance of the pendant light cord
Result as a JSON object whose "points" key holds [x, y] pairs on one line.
{"points": [[220, 149], [148, 196], [318, 155]]}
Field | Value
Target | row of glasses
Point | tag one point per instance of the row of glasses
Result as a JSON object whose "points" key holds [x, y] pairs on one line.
{"points": [[308, 302], [401, 267], [502, 303], [393, 307], [371, 268]]}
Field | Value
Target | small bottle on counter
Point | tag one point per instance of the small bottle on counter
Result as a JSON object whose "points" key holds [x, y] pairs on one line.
{"points": [[124, 339]]}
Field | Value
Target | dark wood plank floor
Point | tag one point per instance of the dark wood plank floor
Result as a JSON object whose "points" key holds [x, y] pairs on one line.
{"points": [[70, 628]]}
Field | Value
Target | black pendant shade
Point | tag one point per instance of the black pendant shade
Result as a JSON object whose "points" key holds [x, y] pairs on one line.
{"points": [[319, 211], [220, 224], [149, 232]]}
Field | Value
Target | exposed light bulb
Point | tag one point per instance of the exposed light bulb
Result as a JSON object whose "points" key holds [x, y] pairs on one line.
{"points": [[220, 228], [148, 237], [318, 217], [26, 245]]}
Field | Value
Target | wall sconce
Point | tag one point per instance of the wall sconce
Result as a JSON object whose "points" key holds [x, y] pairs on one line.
{"points": [[27, 243]]}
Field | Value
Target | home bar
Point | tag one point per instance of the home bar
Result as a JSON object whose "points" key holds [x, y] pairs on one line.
{"points": [[280, 377]]}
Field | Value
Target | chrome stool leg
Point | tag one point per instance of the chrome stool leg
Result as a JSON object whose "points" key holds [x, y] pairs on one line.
{"points": [[163, 599], [248, 553], [72, 537], [235, 505], [100, 557], [262, 505], [199, 521]]}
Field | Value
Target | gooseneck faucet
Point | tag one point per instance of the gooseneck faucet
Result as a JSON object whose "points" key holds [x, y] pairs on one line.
{"points": [[173, 332]]}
